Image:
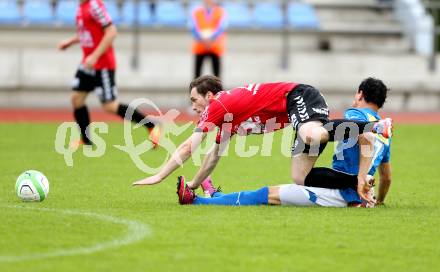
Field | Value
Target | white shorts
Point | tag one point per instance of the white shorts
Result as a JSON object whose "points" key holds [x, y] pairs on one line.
{"points": [[296, 195]]}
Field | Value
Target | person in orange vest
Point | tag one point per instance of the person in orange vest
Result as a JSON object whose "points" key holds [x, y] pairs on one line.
{"points": [[208, 25]]}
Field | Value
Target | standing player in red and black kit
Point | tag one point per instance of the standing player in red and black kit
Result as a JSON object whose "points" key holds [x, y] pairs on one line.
{"points": [[264, 108], [95, 34]]}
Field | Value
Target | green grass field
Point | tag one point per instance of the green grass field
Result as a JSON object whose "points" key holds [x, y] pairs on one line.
{"points": [[93, 220]]}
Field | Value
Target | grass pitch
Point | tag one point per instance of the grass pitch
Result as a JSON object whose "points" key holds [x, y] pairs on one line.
{"points": [[93, 220]]}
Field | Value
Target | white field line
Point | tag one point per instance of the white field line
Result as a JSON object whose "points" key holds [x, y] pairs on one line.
{"points": [[135, 231]]}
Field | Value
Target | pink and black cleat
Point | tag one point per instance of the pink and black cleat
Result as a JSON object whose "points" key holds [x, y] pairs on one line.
{"points": [[384, 127], [208, 188], [185, 194]]}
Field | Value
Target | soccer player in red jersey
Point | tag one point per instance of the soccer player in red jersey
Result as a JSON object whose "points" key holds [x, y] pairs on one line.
{"points": [[263, 108], [95, 34]]}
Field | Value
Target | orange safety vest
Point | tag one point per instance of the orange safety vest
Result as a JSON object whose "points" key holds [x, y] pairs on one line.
{"points": [[208, 24]]}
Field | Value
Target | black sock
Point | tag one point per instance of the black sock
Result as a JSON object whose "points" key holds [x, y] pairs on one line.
{"points": [[137, 117], [83, 120], [329, 178], [332, 128]]}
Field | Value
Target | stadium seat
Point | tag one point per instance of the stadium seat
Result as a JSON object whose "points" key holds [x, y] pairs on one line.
{"points": [[38, 12], [301, 15], [268, 15], [170, 13], [113, 9], [9, 12], [144, 13], [194, 4], [238, 14], [65, 11]]}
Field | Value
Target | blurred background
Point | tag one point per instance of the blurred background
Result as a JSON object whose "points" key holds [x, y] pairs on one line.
{"points": [[331, 44]]}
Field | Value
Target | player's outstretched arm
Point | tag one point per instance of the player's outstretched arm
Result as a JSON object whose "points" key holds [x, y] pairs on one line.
{"points": [[209, 163], [384, 182], [182, 153], [64, 44], [366, 154], [110, 33]]}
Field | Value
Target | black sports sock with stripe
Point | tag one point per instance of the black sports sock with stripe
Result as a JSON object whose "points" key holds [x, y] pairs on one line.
{"points": [[323, 177], [83, 120], [137, 117], [332, 128]]}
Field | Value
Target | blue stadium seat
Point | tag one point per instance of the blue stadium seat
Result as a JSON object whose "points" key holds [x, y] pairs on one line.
{"points": [[268, 15], [301, 15], [144, 13], [113, 9], [170, 13], [193, 5], [38, 12], [65, 11], [238, 14], [9, 12]]}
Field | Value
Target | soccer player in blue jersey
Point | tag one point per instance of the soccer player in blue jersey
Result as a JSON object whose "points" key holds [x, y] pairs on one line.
{"points": [[369, 99], [346, 158], [323, 186]]}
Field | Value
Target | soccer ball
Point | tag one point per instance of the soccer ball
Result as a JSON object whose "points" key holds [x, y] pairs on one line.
{"points": [[32, 185]]}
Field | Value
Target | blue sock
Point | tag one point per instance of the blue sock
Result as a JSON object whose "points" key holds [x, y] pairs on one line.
{"points": [[244, 198]]}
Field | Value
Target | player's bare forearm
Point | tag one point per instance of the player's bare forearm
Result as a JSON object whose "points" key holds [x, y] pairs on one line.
{"points": [[110, 33], [182, 153], [74, 40], [384, 186], [385, 182], [64, 44], [366, 152], [209, 164], [177, 158]]}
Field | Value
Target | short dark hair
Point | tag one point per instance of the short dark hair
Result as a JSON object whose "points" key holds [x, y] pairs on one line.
{"points": [[205, 84], [374, 91]]}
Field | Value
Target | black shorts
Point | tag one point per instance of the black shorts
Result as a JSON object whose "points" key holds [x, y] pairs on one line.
{"points": [[305, 104], [100, 81]]}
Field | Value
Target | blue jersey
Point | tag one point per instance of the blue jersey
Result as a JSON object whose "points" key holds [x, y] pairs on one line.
{"points": [[346, 157]]}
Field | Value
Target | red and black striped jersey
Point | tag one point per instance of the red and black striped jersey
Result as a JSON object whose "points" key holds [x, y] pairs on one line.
{"points": [[91, 19], [251, 109]]}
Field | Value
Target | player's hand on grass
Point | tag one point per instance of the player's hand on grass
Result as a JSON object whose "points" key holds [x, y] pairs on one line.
{"points": [[380, 204], [148, 181], [363, 188], [90, 62]]}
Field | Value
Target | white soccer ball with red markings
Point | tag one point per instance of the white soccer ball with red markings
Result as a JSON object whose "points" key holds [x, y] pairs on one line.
{"points": [[32, 185]]}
